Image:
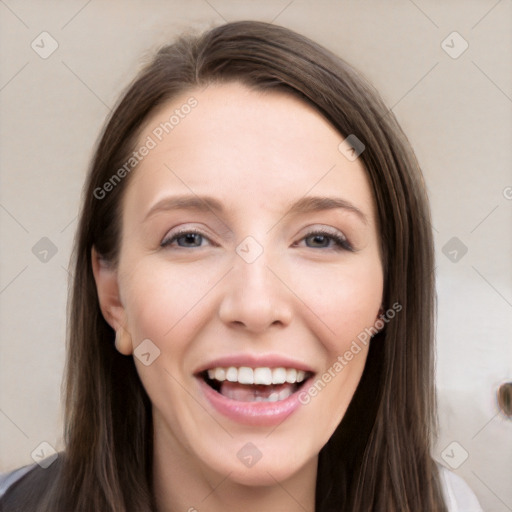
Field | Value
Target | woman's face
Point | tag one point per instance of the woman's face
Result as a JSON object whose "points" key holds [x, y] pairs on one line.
{"points": [[249, 252]]}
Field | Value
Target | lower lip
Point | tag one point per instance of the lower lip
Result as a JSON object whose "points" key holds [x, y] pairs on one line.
{"points": [[252, 413]]}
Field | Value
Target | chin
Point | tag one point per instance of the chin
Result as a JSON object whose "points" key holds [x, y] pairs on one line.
{"points": [[262, 475], [243, 463]]}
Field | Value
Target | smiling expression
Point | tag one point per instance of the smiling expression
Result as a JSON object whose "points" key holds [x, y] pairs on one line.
{"points": [[250, 257]]}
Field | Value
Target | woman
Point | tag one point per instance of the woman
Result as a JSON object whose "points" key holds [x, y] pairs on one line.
{"points": [[251, 320]]}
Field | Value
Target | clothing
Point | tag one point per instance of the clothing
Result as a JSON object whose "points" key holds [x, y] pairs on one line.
{"points": [[7, 479], [458, 495]]}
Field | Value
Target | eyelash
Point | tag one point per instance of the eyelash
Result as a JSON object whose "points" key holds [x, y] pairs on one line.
{"points": [[340, 241], [342, 244]]}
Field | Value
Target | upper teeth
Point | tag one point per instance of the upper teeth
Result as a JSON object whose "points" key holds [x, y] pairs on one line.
{"points": [[266, 376]]}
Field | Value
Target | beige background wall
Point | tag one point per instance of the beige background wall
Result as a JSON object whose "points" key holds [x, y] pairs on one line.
{"points": [[456, 111]]}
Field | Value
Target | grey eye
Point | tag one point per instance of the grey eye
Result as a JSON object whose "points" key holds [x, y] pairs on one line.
{"points": [[187, 239]]}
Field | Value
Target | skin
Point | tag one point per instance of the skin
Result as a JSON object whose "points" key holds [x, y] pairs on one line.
{"points": [[256, 152]]}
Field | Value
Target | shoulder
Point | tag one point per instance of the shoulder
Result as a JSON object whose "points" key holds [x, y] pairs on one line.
{"points": [[23, 488], [10, 478], [458, 495]]}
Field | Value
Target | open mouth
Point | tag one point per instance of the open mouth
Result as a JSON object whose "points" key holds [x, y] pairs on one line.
{"points": [[264, 384]]}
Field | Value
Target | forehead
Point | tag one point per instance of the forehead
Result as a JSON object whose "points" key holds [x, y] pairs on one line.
{"points": [[258, 147]]}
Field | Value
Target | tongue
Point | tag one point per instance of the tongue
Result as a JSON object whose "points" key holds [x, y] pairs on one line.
{"points": [[255, 393]]}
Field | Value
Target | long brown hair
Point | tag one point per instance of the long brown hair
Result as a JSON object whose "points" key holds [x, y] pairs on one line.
{"points": [[379, 458]]}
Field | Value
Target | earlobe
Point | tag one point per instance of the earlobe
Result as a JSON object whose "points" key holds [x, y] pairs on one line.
{"points": [[107, 287], [124, 344]]}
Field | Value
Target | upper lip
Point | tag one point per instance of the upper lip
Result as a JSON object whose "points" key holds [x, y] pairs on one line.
{"points": [[254, 361]]}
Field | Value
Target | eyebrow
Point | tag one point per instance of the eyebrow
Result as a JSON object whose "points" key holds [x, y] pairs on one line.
{"points": [[307, 204]]}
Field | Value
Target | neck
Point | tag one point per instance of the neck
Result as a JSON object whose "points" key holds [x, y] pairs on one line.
{"points": [[182, 484]]}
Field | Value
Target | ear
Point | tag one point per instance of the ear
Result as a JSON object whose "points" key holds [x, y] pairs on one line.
{"points": [[106, 278]]}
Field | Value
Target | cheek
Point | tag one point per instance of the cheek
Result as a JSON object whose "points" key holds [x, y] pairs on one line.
{"points": [[167, 306], [345, 299], [162, 301]]}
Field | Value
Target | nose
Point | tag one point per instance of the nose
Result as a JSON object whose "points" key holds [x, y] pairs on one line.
{"points": [[255, 297]]}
